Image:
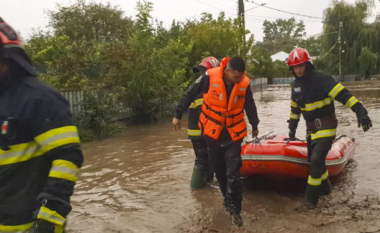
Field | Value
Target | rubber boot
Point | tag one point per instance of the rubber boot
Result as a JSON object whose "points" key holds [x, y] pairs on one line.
{"points": [[236, 219], [198, 179], [210, 175], [311, 198], [325, 187]]}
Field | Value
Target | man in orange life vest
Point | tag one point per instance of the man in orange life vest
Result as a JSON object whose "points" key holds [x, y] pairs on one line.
{"points": [[227, 94]]}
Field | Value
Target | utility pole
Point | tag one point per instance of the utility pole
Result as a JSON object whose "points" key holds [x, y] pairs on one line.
{"points": [[340, 46], [242, 22]]}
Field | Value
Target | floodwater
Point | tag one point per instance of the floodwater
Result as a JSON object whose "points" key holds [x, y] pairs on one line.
{"points": [[139, 181]]}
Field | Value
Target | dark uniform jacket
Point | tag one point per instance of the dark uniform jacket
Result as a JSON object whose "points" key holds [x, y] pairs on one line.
{"points": [[39, 155], [313, 95]]}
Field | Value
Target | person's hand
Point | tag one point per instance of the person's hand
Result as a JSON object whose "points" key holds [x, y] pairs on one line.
{"points": [[176, 124], [255, 133], [42, 226], [364, 122], [292, 134]]}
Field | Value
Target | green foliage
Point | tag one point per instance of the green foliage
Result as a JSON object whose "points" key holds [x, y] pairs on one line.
{"points": [[98, 118]]}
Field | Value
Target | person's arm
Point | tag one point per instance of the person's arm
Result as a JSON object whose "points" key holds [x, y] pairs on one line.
{"points": [[56, 134], [338, 92], [250, 109], [295, 115], [201, 85]]}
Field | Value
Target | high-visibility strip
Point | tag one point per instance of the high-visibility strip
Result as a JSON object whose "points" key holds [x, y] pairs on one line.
{"points": [[194, 132], [15, 229], [198, 102], [336, 90], [294, 104], [192, 105], [58, 137], [295, 116], [314, 181], [325, 175], [323, 134], [351, 102], [317, 104], [63, 169], [51, 216], [19, 153]]}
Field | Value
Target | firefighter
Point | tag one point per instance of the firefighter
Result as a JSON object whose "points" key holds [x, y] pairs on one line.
{"points": [[40, 150], [226, 94], [313, 94], [202, 172]]}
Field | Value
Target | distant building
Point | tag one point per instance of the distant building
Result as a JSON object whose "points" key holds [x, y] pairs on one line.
{"points": [[281, 56]]}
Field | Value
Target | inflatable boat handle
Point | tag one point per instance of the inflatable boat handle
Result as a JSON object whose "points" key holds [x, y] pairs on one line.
{"points": [[258, 139]]}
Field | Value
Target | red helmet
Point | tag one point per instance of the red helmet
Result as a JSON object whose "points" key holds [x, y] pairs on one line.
{"points": [[207, 63], [298, 56], [11, 48]]}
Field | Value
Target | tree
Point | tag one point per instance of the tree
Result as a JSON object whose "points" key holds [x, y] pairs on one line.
{"points": [[285, 27]]}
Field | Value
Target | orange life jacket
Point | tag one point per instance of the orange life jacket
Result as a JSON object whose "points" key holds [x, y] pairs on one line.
{"points": [[217, 113]]}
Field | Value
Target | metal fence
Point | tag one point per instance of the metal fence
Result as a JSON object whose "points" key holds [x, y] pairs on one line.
{"points": [[76, 100], [341, 78]]}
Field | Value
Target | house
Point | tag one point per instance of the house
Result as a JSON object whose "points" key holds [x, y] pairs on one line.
{"points": [[281, 56]]}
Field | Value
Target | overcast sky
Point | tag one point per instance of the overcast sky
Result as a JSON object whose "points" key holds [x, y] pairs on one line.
{"points": [[24, 15]]}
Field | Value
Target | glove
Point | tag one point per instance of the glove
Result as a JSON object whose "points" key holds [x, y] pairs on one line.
{"points": [[42, 226], [364, 122], [292, 134]]}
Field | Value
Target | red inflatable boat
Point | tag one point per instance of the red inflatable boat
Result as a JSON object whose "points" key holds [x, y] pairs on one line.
{"points": [[276, 155]]}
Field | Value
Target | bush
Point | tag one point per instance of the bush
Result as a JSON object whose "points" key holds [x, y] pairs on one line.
{"points": [[98, 115]]}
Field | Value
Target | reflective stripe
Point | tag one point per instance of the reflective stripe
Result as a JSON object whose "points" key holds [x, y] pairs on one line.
{"points": [[351, 102], [192, 105], [215, 85], [323, 134], [15, 229], [243, 89], [336, 90], [221, 96], [325, 175], [58, 137], [293, 104], [235, 99], [314, 181], [51, 216], [63, 169], [198, 102], [19, 153], [295, 116], [194, 132], [318, 104]]}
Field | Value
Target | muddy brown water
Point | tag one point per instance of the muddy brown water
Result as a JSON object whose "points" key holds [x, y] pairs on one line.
{"points": [[139, 181]]}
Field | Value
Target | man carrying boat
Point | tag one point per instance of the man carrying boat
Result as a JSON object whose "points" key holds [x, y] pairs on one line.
{"points": [[202, 172], [226, 94], [313, 95]]}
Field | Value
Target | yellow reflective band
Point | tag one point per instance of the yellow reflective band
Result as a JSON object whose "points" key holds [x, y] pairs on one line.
{"points": [[19, 153], [325, 175], [58, 137], [192, 105], [194, 132], [295, 116], [63, 169], [323, 134], [351, 102], [15, 229], [314, 181], [318, 104], [199, 102], [51, 216], [293, 104], [336, 90]]}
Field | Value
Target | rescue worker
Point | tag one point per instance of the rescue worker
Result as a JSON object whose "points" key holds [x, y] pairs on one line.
{"points": [[40, 152], [313, 95], [202, 172], [226, 94]]}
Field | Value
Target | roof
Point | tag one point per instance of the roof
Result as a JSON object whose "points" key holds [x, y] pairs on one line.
{"points": [[281, 56]]}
